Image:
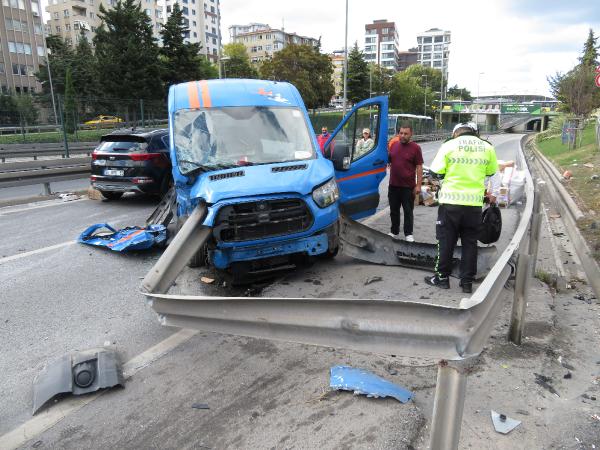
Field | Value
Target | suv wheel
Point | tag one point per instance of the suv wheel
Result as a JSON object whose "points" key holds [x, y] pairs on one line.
{"points": [[108, 195]]}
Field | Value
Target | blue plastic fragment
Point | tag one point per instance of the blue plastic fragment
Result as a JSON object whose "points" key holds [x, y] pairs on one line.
{"points": [[363, 382], [130, 238]]}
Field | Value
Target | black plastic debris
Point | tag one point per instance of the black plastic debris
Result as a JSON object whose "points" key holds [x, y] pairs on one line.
{"points": [[79, 373], [544, 382], [200, 406]]}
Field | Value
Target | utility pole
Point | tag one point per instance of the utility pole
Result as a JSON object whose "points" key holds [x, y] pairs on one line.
{"points": [[345, 64]]}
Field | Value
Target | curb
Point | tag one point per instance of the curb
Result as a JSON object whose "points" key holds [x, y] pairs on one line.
{"points": [[570, 213], [33, 199], [552, 171]]}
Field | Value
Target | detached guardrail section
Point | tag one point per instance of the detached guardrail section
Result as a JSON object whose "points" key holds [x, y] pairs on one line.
{"points": [[455, 336]]}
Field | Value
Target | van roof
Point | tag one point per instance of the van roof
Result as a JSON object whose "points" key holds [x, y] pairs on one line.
{"points": [[232, 92]]}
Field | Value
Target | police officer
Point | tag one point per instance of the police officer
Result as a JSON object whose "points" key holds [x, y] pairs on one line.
{"points": [[464, 162]]}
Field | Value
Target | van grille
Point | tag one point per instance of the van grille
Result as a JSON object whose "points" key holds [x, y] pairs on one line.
{"points": [[289, 168], [226, 175], [257, 220]]}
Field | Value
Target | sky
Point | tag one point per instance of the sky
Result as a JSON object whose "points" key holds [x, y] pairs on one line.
{"points": [[499, 47]]}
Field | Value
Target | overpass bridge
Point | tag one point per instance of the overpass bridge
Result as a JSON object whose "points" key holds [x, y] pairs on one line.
{"points": [[495, 115]]}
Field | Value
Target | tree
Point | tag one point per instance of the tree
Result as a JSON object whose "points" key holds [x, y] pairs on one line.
{"points": [[69, 114], [456, 93], [416, 90], [84, 69], [60, 56], [358, 76], [236, 63], [127, 54], [380, 79], [182, 61], [590, 51], [576, 88], [307, 69]]}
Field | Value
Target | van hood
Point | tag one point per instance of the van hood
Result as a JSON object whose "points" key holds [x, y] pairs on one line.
{"points": [[299, 177]]}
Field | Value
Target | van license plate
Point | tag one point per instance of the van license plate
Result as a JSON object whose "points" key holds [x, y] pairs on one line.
{"points": [[114, 173]]}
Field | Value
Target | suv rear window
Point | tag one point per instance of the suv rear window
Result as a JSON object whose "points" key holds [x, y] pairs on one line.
{"points": [[122, 147]]}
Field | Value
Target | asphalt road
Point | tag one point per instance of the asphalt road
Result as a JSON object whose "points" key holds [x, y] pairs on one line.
{"points": [[59, 297]]}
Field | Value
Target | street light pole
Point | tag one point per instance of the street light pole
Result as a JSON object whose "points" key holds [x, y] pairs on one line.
{"points": [[345, 64], [442, 85], [477, 114], [50, 78], [425, 96]]}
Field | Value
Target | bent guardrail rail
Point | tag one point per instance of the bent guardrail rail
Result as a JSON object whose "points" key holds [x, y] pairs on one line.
{"points": [[453, 335]]}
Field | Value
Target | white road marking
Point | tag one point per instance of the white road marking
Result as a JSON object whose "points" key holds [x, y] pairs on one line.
{"points": [[35, 252], [9, 210], [54, 414]]}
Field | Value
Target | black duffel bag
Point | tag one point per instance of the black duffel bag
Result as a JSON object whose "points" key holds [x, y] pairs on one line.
{"points": [[491, 225]]}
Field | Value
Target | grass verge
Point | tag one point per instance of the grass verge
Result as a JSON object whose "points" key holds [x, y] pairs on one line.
{"points": [[584, 164]]}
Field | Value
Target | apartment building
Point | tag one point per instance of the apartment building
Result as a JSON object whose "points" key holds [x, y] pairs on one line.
{"points": [[408, 58], [203, 18], [433, 49], [381, 44], [337, 59], [70, 18], [263, 41], [22, 46]]}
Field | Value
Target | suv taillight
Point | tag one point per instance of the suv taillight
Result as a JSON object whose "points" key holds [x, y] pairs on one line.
{"points": [[143, 156]]}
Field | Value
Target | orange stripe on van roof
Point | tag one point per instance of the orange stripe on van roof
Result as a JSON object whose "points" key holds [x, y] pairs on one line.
{"points": [[206, 101], [193, 95]]}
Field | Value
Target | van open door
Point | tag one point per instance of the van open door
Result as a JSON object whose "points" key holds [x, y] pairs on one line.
{"points": [[360, 168]]}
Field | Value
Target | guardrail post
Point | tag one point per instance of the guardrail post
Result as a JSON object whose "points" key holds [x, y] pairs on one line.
{"points": [[525, 270], [142, 112], [536, 225], [46, 189], [449, 403]]}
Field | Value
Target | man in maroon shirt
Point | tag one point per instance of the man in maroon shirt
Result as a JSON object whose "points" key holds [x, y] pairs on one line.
{"points": [[406, 174]]}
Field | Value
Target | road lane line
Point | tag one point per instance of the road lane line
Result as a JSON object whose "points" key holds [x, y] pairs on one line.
{"points": [[55, 413], [35, 252], [46, 205]]}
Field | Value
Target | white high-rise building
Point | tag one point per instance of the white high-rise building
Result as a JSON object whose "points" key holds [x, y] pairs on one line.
{"points": [[381, 44], [433, 49], [203, 18]]}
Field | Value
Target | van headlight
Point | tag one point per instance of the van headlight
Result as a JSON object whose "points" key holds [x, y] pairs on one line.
{"points": [[326, 194]]}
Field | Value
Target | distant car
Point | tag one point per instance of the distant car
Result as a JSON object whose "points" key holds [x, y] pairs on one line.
{"points": [[103, 121], [132, 161]]}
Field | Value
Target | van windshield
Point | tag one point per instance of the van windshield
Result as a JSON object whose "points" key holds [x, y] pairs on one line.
{"points": [[219, 138]]}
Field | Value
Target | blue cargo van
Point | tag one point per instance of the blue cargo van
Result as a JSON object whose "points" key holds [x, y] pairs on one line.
{"points": [[247, 149]]}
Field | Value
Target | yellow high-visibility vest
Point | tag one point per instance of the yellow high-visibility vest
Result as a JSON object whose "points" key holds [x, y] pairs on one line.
{"points": [[465, 162]]}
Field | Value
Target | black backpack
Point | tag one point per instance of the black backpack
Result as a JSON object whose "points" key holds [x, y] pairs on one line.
{"points": [[491, 225]]}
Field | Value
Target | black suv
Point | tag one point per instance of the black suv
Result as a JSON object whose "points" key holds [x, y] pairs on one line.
{"points": [[136, 160]]}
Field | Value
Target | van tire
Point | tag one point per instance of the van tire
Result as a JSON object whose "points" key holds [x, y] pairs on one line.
{"points": [[200, 258]]}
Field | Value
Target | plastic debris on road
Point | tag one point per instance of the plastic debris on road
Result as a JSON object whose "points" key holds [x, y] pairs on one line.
{"points": [[504, 424], [130, 238], [363, 382]]}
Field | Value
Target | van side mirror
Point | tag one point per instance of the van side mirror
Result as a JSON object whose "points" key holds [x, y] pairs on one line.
{"points": [[341, 156]]}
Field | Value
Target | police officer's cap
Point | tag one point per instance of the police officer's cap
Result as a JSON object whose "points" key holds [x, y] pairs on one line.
{"points": [[471, 125]]}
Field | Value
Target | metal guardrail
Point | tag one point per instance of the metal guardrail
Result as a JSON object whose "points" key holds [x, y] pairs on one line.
{"points": [[454, 335], [51, 149]]}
